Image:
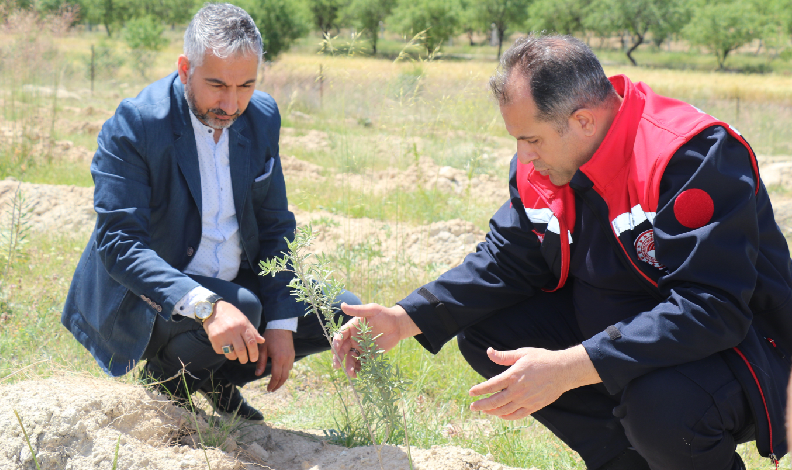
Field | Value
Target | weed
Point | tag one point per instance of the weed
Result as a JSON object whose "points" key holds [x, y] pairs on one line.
{"points": [[115, 456], [106, 61], [14, 235], [195, 419], [27, 439]]}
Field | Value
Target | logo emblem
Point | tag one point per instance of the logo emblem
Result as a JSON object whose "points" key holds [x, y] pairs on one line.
{"points": [[645, 247]]}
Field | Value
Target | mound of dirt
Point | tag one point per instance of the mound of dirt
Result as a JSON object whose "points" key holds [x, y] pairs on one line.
{"points": [[52, 208], [78, 423]]}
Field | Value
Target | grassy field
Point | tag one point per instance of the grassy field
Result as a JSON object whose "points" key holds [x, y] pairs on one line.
{"points": [[377, 114]]}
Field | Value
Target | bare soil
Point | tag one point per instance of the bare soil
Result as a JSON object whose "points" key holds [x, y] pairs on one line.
{"points": [[83, 423]]}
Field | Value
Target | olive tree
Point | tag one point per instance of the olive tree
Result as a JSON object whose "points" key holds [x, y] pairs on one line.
{"points": [[439, 18], [639, 17], [281, 22], [503, 14], [723, 26], [367, 16]]}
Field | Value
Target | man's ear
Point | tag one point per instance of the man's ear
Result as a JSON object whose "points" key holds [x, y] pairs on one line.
{"points": [[183, 67], [584, 120]]}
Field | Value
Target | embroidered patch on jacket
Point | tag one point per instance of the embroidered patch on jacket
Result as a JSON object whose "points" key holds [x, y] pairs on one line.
{"points": [[645, 246], [694, 208]]}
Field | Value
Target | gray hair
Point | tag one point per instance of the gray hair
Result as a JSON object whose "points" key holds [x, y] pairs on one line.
{"points": [[563, 73], [224, 30]]}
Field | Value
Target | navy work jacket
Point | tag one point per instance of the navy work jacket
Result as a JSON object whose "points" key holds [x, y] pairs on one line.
{"points": [[724, 287]]}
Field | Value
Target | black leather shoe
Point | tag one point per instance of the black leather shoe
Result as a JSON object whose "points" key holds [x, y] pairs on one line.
{"points": [[227, 398]]}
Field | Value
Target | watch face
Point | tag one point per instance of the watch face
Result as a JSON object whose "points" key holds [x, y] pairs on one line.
{"points": [[203, 310]]}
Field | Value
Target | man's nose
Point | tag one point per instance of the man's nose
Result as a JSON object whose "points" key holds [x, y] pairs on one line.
{"points": [[525, 154], [229, 102]]}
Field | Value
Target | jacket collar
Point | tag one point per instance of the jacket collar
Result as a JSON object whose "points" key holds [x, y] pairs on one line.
{"points": [[615, 151]]}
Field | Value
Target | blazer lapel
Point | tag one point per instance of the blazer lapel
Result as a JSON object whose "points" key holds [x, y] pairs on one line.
{"points": [[184, 143], [239, 160]]}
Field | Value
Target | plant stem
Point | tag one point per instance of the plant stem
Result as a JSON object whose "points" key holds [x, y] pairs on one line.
{"points": [[115, 459], [195, 420], [27, 439]]}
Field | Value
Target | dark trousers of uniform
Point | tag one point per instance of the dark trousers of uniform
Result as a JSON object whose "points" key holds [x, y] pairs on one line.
{"points": [[182, 342], [686, 417]]}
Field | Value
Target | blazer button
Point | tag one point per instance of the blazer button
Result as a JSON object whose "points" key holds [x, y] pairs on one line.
{"points": [[190, 251]]}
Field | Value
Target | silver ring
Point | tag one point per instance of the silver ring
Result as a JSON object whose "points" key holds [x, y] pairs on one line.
{"points": [[228, 349]]}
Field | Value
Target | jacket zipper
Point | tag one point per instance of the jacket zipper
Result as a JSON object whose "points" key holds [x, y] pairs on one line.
{"points": [[772, 455]]}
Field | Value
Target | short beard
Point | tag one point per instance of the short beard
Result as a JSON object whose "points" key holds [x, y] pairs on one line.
{"points": [[204, 116]]}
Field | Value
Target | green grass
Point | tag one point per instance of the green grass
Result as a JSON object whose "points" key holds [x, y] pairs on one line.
{"points": [[420, 207], [31, 300]]}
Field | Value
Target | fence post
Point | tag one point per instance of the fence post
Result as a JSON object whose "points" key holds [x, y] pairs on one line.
{"points": [[321, 86], [93, 68]]}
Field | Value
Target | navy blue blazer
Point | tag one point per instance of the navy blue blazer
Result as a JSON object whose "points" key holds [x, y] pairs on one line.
{"points": [[147, 198]]}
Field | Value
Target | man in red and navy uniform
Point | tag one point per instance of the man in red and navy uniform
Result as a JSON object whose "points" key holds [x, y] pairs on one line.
{"points": [[635, 293]]}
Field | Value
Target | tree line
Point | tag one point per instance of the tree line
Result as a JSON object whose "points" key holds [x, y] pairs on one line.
{"points": [[719, 26]]}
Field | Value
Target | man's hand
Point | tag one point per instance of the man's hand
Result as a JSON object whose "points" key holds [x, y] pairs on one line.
{"points": [[536, 378], [279, 347], [391, 324], [228, 325]]}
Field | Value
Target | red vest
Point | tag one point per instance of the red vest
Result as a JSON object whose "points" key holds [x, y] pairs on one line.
{"points": [[626, 171]]}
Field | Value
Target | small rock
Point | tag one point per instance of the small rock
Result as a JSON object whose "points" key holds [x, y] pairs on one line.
{"points": [[258, 451]]}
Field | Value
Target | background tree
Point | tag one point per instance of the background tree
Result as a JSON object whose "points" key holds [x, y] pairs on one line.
{"points": [[504, 14], [638, 17], [325, 13], [439, 18], [281, 22], [468, 20], [722, 26], [558, 16], [776, 27], [113, 14], [367, 16], [170, 12], [144, 37]]}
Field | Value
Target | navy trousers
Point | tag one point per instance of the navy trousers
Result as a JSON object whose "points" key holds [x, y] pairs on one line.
{"points": [[688, 417], [183, 341]]}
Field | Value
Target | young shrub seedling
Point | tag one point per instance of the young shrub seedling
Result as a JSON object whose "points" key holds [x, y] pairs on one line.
{"points": [[378, 385]]}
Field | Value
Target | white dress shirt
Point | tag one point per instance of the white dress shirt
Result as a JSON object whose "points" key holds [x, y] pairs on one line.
{"points": [[220, 251]]}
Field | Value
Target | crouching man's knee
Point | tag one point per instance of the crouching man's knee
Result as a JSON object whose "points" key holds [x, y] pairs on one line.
{"points": [[687, 417]]}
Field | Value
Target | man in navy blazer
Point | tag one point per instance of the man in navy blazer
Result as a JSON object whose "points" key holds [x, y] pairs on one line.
{"points": [[190, 197]]}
